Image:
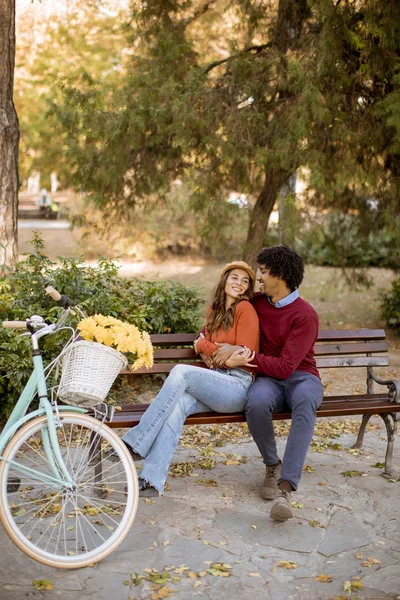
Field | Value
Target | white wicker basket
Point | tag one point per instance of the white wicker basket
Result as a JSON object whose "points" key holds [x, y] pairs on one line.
{"points": [[88, 372]]}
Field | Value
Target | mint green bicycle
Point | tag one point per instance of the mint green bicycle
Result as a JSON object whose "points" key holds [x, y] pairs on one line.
{"points": [[68, 486]]}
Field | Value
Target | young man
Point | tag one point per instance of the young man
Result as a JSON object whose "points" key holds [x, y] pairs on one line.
{"points": [[287, 376]]}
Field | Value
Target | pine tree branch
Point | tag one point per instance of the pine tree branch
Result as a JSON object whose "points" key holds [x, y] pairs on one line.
{"points": [[216, 63], [203, 9]]}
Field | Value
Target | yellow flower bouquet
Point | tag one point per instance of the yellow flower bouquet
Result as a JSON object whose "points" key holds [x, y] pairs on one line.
{"points": [[121, 336], [91, 364]]}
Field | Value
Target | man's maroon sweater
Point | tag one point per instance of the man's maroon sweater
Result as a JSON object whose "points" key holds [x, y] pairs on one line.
{"points": [[287, 338]]}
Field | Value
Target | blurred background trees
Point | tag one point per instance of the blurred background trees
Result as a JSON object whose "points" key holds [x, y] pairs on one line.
{"points": [[196, 117]]}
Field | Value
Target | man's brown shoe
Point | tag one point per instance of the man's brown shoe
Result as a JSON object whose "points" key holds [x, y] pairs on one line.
{"points": [[281, 509], [270, 486]]}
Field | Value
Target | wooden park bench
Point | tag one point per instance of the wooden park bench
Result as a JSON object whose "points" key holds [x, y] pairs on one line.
{"points": [[334, 349]]}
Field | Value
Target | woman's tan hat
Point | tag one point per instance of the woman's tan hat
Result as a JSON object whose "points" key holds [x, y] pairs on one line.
{"points": [[239, 264]]}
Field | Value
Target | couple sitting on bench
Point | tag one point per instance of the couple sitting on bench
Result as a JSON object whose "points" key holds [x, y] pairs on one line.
{"points": [[260, 352]]}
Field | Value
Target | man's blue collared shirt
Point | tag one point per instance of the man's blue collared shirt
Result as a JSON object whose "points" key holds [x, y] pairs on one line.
{"points": [[286, 300]]}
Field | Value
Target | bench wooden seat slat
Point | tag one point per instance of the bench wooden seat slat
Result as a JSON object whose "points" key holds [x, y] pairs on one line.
{"points": [[331, 399], [377, 404]]}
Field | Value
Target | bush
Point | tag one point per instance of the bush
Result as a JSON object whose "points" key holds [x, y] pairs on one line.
{"points": [[390, 306], [342, 240], [154, 306]]}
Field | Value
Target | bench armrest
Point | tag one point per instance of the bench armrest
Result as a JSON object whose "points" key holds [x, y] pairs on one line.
{"points": [[392, 384]]}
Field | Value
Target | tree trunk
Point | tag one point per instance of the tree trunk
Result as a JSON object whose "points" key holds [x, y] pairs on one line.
{"points": [[289, 23], [288, 217], [9, 137], [274, 180]]}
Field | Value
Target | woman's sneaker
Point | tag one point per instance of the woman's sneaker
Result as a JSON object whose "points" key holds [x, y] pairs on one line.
{"points": [[146, 490]]}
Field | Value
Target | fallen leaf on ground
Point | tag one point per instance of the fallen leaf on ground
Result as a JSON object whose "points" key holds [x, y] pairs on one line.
{"points": [[209, 482], [219, 570], [164, 592], [352, 586], [352, 473], [371, 561], [323, 578], [43, 584], [286, 564]]}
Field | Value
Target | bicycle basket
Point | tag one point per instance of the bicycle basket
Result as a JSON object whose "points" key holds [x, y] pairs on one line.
{"points": [[88, 372]]}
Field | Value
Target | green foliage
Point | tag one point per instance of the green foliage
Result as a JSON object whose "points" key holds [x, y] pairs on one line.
{"points": [[327, 100], [342, 240], [390, 306], [154, 306], [227, 97]]}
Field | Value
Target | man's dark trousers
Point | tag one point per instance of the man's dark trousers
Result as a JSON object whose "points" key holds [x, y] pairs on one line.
{"points": [[301, 394]]}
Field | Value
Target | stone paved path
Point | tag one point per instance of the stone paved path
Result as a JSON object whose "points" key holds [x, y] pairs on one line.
{"points": [[346, 528]]}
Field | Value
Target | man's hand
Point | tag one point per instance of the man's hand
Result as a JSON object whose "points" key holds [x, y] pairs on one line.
{"points": [[223, 353], [240, 358], [207, 360]]}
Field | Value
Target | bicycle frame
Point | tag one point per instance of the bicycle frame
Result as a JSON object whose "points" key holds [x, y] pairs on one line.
{"points": [[37, 384]]}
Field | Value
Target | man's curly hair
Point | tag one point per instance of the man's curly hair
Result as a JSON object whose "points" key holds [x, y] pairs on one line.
{"points": [[283, 262]]}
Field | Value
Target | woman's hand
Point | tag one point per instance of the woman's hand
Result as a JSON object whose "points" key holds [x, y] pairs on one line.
{"points": [[241, 357], [199, 337], [223, 353]]}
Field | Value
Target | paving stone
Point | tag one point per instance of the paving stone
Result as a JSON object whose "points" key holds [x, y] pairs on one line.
{"points": [[386, 579]]}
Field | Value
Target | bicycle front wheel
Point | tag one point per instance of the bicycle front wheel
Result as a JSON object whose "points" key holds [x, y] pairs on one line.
{"points": [[62, 525]]}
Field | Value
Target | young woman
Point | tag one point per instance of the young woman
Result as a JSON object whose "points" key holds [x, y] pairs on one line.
{"points": [[187, 390]]}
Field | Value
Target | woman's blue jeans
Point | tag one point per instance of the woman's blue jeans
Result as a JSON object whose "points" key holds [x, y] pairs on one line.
{"points": [[186, 390]]}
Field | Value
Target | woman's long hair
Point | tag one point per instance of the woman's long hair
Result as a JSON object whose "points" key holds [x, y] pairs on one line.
{"points": [[219, 317]]}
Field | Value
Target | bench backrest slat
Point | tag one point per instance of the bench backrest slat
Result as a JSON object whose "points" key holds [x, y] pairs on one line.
{"points": [[351, 335], [320, 350], [322, 363], [351, 361], [337, 347], [336, 335]]}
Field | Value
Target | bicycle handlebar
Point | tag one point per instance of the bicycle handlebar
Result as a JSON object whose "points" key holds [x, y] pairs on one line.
{"points": [[37, 321], [14, 324], [61, 299], [53, 293]]}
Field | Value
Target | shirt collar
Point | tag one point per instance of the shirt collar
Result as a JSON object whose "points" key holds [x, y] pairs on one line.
{"points": [[286, 300]]}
